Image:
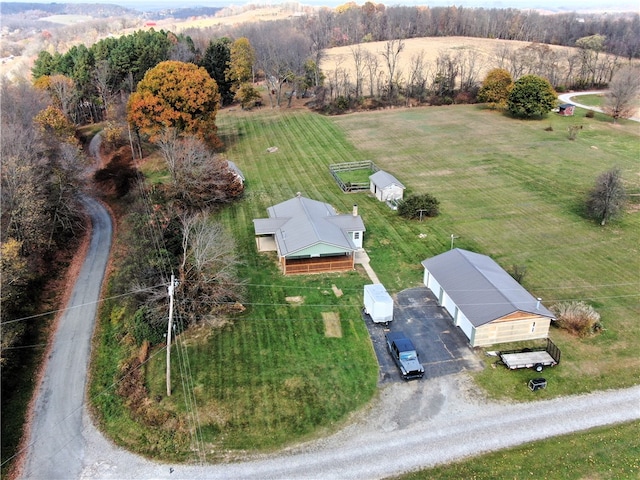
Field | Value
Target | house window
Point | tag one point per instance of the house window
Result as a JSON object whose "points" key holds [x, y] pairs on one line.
{"points": [[533, 327], [356, 235]]}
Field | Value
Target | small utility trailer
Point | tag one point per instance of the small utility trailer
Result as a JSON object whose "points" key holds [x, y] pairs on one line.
{"points": [[536, 358], [378, 304]]}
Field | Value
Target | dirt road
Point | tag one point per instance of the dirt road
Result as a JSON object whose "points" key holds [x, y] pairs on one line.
{"points": [[411, 426], [56, 444]]}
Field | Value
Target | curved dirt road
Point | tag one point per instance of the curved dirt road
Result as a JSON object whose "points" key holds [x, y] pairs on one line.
{"points": [[56, 445], [383, 443]]}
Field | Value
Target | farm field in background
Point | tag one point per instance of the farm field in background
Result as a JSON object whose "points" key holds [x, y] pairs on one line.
{"points": [[486, 50]]}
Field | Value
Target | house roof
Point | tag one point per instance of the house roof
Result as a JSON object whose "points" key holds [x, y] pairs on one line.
{"points": [[566, 105], [383, 179], [480, 288], [300, 223]]}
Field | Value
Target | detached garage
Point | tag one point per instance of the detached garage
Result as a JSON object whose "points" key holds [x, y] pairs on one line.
{"points": [[483, 300]]}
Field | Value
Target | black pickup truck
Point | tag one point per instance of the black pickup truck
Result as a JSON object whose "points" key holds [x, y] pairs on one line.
{"points": [[405, 355]]}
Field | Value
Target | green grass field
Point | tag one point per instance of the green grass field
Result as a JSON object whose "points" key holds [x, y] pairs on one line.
{"points": [[508, 188]]}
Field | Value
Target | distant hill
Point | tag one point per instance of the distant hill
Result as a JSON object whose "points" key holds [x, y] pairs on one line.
{"points": [[98, 10], [183, 13], [101, 10]]}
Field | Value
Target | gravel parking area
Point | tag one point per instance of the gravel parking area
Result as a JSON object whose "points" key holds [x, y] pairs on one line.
{"points": [[442, 347]]}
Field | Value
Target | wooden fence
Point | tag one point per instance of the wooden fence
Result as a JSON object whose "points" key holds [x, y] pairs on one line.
{"points": [[351, 187]]}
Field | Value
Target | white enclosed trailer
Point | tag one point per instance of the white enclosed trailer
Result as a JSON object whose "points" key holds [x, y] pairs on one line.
{"points": [[378, 304]]}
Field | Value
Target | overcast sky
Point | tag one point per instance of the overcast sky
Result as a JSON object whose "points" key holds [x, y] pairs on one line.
{"points": [[555, 5]]}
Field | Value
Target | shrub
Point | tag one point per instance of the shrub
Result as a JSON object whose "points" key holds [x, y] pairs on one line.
{"points": [[577, 318], [590, 114], [113, 135], [418, 206], [518, 272]]}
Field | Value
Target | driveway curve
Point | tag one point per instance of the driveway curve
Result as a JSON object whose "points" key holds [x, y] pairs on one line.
{"points": [[570, 98]]}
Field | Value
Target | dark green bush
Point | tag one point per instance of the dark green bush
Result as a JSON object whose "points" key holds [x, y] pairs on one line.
{"points": [[418, 206]]}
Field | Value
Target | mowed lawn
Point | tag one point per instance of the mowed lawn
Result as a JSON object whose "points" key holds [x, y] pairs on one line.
{"points": [[510, 189]]}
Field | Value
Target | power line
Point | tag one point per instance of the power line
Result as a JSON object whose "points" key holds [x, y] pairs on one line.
{"points": [[60, 310]]}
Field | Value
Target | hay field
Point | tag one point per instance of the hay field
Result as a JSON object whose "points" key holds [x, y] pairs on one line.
{"points": [[229, 17], [341, 58]]}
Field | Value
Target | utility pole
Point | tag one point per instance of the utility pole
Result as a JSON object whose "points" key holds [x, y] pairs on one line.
{"points": [[169, 328]]}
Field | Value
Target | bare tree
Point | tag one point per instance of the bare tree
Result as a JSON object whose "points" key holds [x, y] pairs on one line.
{"points": [[101, 75], [358, 60], [372, 66], [470, 66], [608, 197], [208, 279], [445, 75], [590, 49], [417, 79], [391, 53], [199, 178], [621, 99], [63, 93]]}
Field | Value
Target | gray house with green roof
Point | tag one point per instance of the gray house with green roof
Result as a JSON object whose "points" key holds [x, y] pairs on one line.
{"points": [[310, 236], [486, 302]]}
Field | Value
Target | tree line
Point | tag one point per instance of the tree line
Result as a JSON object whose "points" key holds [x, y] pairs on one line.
{"points": [[287, 55]]}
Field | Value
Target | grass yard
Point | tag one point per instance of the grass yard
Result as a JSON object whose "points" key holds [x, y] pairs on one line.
{"points": [[514, 189], [355, 176], [508, 188], [602, 453]]}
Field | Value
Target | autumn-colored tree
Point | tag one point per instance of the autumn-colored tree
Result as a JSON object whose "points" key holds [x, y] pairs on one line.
{"points": [[495, 88], [243, 57], [176, 95], [247, 95], [55, 125], [61, 89]]}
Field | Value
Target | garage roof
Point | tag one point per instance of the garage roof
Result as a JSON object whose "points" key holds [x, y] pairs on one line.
{"points": [[480, 288]]}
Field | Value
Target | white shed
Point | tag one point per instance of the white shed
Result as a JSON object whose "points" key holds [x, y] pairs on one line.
{"points": [[483, 300], [385, 186]]}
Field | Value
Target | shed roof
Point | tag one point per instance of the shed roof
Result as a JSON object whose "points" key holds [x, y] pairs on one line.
{"points": [[234, 168], [480, 288], [384, 179], [300, 222]]}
